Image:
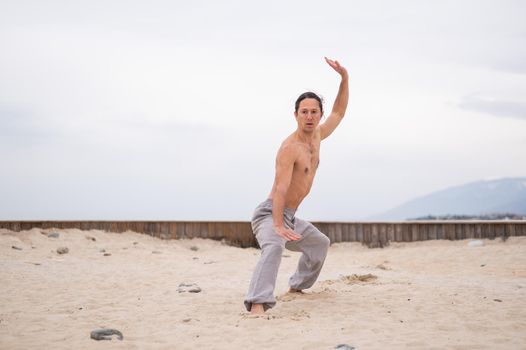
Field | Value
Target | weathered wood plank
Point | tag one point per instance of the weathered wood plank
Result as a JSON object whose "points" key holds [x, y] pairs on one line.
{"points": [[376, 234]]}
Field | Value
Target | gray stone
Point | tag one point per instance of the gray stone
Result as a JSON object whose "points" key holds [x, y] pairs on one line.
{"points": [[53, 235], [476, 243], [62, 250], [188, 288], [105, 334], [194, 248], [344, 347]]}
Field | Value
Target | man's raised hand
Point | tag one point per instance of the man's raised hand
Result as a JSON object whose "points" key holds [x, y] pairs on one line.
{"points": [[337, 67]]}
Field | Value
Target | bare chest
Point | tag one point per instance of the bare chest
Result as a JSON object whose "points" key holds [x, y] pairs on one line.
{"points": [[309, 160]]}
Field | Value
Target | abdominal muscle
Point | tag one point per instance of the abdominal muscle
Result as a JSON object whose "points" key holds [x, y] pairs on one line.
{"points": [[299, 187]]}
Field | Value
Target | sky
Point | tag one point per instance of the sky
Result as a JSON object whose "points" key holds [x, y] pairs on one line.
{"points": [[174, 110]]}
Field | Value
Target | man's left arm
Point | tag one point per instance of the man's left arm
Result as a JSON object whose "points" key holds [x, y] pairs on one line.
{"points": [[340, 104]]}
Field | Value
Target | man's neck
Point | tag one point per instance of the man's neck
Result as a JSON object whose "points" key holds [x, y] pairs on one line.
{"points": [[303, 136]]}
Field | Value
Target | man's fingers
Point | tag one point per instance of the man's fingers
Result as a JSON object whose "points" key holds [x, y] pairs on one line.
{"points": [[334, 64], [293, 236], [290, 235]]}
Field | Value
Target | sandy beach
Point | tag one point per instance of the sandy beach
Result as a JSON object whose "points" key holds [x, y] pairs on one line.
{"points": [[423, 295]]}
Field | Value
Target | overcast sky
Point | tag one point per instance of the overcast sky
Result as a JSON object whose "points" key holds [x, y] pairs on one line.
{"points": [[174, 110]]}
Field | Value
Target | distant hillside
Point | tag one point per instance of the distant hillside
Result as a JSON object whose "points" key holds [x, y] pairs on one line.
{"points": [[473, 199]]}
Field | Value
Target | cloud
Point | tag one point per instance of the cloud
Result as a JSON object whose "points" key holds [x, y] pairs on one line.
{"points": [[512, 64], [497, 108]]}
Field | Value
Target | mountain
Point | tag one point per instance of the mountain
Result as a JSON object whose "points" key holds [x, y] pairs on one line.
{"points": [[507, 195]]}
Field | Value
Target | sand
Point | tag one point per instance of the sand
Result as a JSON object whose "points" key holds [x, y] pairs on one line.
{"points": [[423, 295]]}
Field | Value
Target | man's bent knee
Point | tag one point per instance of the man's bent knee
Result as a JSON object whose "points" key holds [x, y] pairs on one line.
{"points": [[272, 249]]}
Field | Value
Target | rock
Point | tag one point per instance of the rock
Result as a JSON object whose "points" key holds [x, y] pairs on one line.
{"points": [[135, 243], [107, 254], [102, 250], [16, 247], [382, 267], [188, 288], [90, 238], [476, 243], [344, 347], [194, 248], [156, 252], [105, 334], [62, 250], [53, 235]]}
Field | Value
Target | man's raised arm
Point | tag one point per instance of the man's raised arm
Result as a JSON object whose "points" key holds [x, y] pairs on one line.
{"points": [[340, 104]]}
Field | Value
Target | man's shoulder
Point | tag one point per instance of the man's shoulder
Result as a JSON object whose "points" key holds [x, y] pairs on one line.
{"points": [[289, 148]]}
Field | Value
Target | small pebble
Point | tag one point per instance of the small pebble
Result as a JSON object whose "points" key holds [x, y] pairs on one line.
{"points": [[156, 252], [135, 243], [188, 287], [194, 248], [476, 243], [498, 300], [107, 254], [344, 347], [91, 238], [105, 334], [63, 250], [15, 247], [102, 250], [53, 235]]}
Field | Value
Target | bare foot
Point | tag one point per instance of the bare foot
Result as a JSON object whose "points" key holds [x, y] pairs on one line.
{"points": [[257, 309], [299, 291]]}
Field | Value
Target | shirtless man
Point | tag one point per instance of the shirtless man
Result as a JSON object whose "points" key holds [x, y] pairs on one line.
{"points": [[274, 223]]}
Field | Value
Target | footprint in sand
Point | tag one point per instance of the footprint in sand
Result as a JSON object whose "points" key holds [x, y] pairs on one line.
{"points": [[296, 316], [350, 279], [354, 278], [263, 317], [289, 296], [299, 315]]}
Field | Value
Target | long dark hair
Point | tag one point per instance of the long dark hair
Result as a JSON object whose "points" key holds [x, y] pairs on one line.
{"points": [[308, 94]]}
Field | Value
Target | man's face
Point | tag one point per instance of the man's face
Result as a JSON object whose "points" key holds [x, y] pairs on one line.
{"points": [[308, 115]]}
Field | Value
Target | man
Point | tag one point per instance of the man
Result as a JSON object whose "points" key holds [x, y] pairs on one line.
{"points": [[273, 222]]}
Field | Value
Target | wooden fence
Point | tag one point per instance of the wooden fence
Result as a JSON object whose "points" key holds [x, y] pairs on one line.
{"points": [[239, 233]]}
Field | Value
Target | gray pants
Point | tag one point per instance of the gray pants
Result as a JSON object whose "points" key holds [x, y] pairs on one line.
{"points": [[313, 244]]}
